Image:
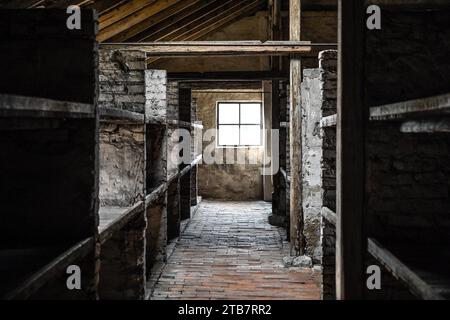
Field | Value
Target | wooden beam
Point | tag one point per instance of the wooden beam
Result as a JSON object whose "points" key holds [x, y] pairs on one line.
{"points": [[211, 48], [221, 86], [297, 242], [352, 116], [227, 76]]}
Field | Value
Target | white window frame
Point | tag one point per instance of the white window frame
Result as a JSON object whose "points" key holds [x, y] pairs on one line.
{"points": [[261, 124]]}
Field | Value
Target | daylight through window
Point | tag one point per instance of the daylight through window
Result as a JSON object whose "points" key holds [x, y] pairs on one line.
{"points": [[239, 124]]}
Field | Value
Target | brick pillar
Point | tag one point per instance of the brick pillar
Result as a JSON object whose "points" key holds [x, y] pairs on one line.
{"points": [[328, 68]]}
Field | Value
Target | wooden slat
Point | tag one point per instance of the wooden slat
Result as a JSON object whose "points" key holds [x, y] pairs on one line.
{"points": [[114, 114], [231, 76], [37, 280], [401, 271], [429, 105], [329, 121], [329, 215], [42, 107], [113, 219], [351, 134]]}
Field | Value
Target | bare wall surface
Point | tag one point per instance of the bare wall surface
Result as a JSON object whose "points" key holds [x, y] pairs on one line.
{"points": [[228, 181]]}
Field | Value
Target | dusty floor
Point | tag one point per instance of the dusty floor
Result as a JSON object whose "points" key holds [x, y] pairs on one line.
{"points": [[229, 251]]}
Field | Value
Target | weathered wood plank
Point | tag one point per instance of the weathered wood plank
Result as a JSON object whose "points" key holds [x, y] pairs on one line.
{"points": [[351, 134], [297, 241], [205, 48], [402, 271], [429, 105], [42, 107], [329, 215]]}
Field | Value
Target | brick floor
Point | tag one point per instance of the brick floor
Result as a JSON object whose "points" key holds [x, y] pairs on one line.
{"points": [[229, 251]]}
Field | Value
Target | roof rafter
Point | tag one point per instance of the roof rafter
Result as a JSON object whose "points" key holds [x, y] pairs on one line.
{"points": [[160, 20], [196, 18], [140, 13]]}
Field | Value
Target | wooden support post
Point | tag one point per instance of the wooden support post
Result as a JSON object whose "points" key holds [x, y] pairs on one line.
{"points": [[351, 132], [275, 31], [296, 210]]}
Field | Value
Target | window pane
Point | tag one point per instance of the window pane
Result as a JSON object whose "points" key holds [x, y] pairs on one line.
{"points": [[251, 135], [228, 135], [228, 113], [251, 113]]}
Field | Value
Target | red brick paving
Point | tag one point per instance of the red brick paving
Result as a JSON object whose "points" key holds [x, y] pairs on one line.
{"points": [[229, 251]]}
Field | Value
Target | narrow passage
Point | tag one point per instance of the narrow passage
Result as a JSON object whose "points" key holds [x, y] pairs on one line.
{"points": [[230, 251]]}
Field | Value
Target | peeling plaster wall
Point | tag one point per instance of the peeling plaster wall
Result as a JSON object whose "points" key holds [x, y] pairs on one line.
{"points": [[228, 181]]}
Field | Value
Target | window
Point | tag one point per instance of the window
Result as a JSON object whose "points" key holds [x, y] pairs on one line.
{"points": [[239, 124]]}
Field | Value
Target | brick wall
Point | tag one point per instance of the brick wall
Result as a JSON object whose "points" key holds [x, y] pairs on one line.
{"points": [[328, 67], [172, 100], [408, 185], [156, 95], [318, 94], [122, 80]]}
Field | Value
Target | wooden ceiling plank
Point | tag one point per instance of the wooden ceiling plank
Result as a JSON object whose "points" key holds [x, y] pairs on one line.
{"points": [[123, 11], [221, 23], [201, 15], [104, 6], [236, 12], [135, 18], [173, 13], [14, 4]]}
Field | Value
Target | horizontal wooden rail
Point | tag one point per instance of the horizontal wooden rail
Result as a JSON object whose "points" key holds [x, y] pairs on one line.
{"points": [[219, 48]]}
